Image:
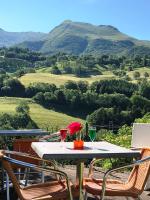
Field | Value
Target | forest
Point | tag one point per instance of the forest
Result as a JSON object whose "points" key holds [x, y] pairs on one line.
{"points": [[119, 101]]}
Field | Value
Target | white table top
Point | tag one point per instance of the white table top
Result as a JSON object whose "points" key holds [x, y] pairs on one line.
{"points": [[26, 132], [54, 150]]}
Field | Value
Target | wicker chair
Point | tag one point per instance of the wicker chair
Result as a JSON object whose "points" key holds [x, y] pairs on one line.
{"points": [[132, 188], [23, 145], [54, 190]]}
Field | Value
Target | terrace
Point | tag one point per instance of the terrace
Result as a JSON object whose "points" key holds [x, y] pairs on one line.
{"points": [[79, 170]]}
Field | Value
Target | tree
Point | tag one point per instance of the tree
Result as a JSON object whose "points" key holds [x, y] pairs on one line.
{"points": [[71, 85], [146, 74], [83, 86], [16, 87], [113, 86], [23, 108], [34, 88], [140, 102], [130, 68], [60, 97], [136, 75], [19, 73], [55, 70], [39, 98], [144, 89], [2, 71], [103, 116]]}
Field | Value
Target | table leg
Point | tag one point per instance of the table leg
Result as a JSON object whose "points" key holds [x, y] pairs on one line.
{"points": [[79, 178]]}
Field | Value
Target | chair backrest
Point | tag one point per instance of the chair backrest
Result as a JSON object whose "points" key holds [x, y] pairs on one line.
{"points": [[139, 175], [24, 146], [140, 135]]}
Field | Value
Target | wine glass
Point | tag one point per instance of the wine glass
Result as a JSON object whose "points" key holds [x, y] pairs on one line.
{"points": [[63, 135], [92, 134]]}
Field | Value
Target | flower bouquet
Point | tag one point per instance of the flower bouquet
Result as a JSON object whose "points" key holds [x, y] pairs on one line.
{"points": [[75, 128]]}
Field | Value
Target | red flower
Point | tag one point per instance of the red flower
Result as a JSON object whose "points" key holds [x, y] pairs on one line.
{"points": [[74, 127]]}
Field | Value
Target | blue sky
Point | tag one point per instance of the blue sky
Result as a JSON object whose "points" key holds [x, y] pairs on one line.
{"points": [[129, 16]]}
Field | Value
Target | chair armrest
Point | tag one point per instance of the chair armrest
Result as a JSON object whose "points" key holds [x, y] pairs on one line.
{"points": [[91, 167], [37, 168], [108, 172], [25, 155]]}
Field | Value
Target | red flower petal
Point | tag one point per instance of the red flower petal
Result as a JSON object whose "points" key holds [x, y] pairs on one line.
{"points": [[74, 127]]}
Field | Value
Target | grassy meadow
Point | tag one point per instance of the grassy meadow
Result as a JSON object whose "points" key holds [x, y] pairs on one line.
{"points": [[44, 118], [141, 71], [43, 76], [58, 80]]}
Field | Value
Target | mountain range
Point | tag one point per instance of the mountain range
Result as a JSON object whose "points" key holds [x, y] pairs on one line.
{"points": [[78, 38], [12, 38]]}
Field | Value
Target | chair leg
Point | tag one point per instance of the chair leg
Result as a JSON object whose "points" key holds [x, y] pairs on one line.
{"points": [[19, 173], [7, 186], [43, 177], [27, 176], [25, 173], [85, 196], [139, 198]]}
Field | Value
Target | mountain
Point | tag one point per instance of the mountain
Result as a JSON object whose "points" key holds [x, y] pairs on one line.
{"points": [[12, 38], [83, 38]]}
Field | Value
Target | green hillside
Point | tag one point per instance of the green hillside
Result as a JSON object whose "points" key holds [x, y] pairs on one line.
{"points": [[43, 117], [61, 79], [43, 76], [84, 38]]}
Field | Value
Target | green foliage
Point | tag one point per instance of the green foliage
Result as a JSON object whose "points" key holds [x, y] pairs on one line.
{"points": [[16, 121], [13, 87], [55, 70], [17, 59], [103, 116], [43, 117], [34, 88], [136, 75], [121, 138], [144, 89], [71, 85], [23, 108], [114, 86], [144, 119], [119, 73], [141, 102], [146, 74]]}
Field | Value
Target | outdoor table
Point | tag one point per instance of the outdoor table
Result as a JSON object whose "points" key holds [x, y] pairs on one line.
{"points": [[55, 150]]}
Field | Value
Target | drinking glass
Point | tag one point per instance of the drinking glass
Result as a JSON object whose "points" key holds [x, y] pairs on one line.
{"points": [[63, 135], [92, 134]]}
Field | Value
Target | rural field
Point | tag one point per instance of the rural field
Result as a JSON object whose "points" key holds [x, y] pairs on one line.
{"points": [[44, 76], [61, 79], [44, 118], [141, 71]]}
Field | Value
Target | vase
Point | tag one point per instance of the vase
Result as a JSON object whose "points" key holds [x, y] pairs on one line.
{"points": [[78, 144]]}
